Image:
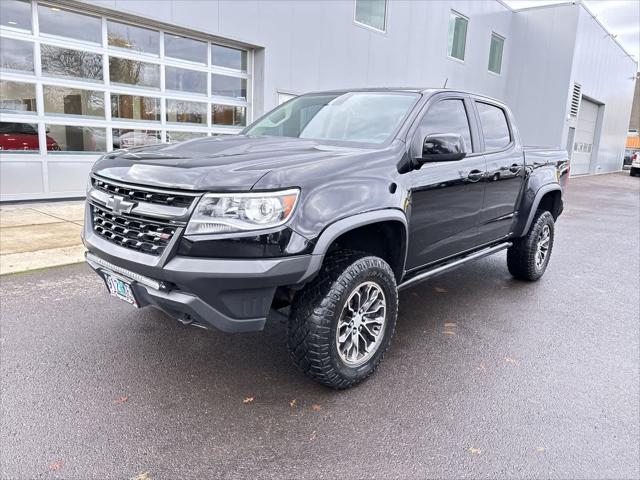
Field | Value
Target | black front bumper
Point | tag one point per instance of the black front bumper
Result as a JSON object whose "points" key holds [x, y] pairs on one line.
{"points": [[230, 295]]}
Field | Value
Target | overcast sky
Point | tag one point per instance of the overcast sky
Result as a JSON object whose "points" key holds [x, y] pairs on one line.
{"points": [[620, 17]]}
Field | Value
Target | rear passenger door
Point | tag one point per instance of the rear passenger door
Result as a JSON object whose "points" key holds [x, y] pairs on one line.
{"points": [[446, 197], [505, 171]]}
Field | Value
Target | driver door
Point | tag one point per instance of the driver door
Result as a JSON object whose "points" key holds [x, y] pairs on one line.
{"points": [[446, 197]]}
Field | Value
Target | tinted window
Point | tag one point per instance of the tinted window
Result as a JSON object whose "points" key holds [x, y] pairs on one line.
{"points": [[185, 48], [141, 39], [55, 21], [184, 80], [228, 57], [16, 55], [447, 116], [64, 62], [73, 101], [494, 127], [17, 97], [133, 72], [15, 14]]}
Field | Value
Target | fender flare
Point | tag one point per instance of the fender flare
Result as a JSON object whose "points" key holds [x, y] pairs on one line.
{"points": [[542, 191], [344, 225]]}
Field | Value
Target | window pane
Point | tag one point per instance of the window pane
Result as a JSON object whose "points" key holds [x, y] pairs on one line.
{"points": [[457, 35], [17, 97], [19, 136], [174, 137], [229, 86], [55, 21], [15, 14], [16, 55], [185, 80], [185, 48], [495, 53], [64, 62], [447, 116], [128, 138], [73, 101], [188, 112], [133, 107], [372, 13], [133, 72], [69, 138], [228, 57], [494, 127], [141, 39], [229, 115]]}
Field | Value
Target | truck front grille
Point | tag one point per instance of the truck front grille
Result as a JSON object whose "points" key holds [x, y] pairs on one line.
{"points": [[138, 194], [130, 231]]}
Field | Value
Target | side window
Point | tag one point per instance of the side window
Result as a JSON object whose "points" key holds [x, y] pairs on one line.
{"points": [[494, 127], [447, 116]]}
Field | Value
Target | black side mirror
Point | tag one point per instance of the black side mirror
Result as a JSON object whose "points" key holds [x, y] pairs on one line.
{"points": [[442, 147]]}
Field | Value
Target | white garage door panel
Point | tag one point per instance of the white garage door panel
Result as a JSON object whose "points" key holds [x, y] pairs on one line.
{"points": [[18, 177], [585, 137]]}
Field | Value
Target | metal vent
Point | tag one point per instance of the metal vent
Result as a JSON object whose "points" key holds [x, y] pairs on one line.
{"points": [[576, 95]]}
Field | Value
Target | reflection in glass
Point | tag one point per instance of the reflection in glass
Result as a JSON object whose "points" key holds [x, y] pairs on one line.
{"points": [[174, 137], [15, 14], [54, 21], [64, 62], [17, 97], [128, 138], [70, 138], [228, 57], [494, 126], [134, 107], [135, 38], [229, 115], [185, 48], [16, 55], [184, 80], [73, 101], [187, 112], [448, 116], [21, 137], [226, 86], [133, 72]]}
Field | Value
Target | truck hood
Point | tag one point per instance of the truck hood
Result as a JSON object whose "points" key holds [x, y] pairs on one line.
{"points": [[224, 163]]}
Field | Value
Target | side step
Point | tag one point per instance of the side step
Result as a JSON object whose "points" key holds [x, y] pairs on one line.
{"points": [[453, 264]]}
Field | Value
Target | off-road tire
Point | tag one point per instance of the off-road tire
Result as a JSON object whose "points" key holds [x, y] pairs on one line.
{"points": [[521, 256], [316, 309]]}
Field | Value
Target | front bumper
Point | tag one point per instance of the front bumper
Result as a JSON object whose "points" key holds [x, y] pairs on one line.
{"points": [[230, 295]]}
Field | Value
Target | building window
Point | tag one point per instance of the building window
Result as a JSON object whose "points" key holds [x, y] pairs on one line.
{"points": [[18, 136], [64, 23], [372, 13], [16, 55], [130, 138], [458, 25], [17, 97], [495, 53], [121, 35], [183, 80], [134, 107], [133, 72], [174, 137], [228, 115], [73, 101], [67, 62], [225, 86], [15, 14], [71, 138], [183, 48], [179, 111], [228, 58]]}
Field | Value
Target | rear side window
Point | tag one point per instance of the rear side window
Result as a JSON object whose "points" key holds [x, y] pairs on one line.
{"points": [[447, 116], [494, 127]]}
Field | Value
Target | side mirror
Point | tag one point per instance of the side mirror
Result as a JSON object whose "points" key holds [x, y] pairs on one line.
{"points": [[442, 147]]}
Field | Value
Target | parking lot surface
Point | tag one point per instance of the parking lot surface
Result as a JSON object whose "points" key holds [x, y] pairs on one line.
{"points": [[487, 377]]}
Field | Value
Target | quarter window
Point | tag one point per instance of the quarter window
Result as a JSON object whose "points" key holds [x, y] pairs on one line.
{"points": [[372, 13], [447, 116], [458, 25], [495, 53], [494, 125]]}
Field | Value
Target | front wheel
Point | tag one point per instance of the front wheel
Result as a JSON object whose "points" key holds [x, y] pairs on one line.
{"points": [[529, 256], [342, 322]]}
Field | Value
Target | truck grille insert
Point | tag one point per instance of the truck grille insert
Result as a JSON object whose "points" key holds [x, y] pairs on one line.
{"points": [[140, 195], [136, 233]]}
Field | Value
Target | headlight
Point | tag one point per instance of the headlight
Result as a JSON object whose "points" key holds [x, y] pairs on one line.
{"points": [[238, 212]]}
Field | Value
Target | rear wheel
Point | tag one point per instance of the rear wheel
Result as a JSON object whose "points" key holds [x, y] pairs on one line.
{"points": [[529, 256], [342, 322]]}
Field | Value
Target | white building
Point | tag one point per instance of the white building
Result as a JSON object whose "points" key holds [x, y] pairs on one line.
{"points": [[82, 77]]}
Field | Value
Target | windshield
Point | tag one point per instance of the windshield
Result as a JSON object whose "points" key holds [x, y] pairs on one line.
{"points": [[366, 117]]}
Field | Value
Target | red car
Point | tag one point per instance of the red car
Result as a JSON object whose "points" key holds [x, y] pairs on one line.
{"points": [[22, 136]]}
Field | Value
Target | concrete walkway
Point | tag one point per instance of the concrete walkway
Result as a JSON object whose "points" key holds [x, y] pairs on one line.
{"points": [[39, 235]]}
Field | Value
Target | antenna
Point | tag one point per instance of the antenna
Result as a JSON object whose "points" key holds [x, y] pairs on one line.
{"points": [[445, 82]]}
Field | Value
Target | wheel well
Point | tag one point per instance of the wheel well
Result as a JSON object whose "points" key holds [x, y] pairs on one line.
{"points": [[386, 240], [551, 202]]}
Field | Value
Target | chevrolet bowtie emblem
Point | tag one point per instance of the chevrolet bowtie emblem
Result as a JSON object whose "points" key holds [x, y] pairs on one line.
{"points": [[119, 205]]}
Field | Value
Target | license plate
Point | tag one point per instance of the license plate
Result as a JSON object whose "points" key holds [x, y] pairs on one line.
{"points": [[120, 288]]}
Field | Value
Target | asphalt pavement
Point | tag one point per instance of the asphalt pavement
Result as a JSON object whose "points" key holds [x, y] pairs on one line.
{"points": [[487, 377]]}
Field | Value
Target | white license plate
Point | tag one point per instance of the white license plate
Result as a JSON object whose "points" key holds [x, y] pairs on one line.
{"points": [[120, 288]]}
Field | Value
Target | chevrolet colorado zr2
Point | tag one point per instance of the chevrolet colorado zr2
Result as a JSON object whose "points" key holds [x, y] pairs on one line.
{"points": [[323, 209]]}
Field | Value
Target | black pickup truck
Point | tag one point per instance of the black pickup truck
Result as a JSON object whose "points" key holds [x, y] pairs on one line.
{"points": [[323, 209]]}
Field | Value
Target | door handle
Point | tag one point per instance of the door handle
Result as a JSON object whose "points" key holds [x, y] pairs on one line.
{"points": [[474, 175], [515, 168]]}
